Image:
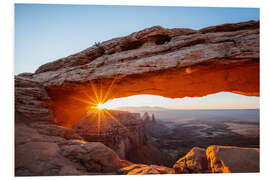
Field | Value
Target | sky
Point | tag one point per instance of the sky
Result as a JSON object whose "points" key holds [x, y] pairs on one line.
{"points": [[45, 33], [221, 100]]}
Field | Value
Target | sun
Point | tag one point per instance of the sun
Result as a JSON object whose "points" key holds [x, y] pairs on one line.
{"points": [[98, 107], [101, 106]]}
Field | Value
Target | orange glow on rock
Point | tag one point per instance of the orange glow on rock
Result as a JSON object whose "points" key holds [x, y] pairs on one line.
{"points": [[97, 109]]}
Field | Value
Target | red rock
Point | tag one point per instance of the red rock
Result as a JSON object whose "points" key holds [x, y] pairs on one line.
{"points": [[140, 169], [125, 134], [95, 156], [31, 101], [194, 161], [229, 159], [172, 63], [42, 159]]}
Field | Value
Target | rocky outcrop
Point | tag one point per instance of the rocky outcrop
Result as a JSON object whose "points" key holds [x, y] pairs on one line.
{"points": [[140, 169], [31, 101], [219, 159], [153, 118], [45, 148], [95, 156], [124, 133], [146, 117], [38, 153], [42, 159], [194, 162], [227, 159]]}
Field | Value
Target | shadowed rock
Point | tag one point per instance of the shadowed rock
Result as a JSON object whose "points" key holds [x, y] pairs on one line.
{"points": [[95, 156]]}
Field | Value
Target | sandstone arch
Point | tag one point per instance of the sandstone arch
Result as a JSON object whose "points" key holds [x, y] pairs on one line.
{"points": [[167, 62]]}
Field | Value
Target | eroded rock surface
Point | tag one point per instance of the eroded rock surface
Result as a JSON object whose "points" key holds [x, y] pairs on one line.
{"points": [[228, 159], [95, 156], [31, 101], [140, 169], [219, 159], [194, 162]]}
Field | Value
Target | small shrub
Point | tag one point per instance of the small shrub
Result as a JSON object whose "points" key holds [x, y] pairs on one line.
{"points": [[100, 48]]}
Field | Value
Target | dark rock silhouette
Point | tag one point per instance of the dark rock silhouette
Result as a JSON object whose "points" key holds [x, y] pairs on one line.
{"points": [[153, 118]]}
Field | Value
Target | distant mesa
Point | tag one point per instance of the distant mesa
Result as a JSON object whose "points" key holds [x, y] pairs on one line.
{"points": [[141, 108]]}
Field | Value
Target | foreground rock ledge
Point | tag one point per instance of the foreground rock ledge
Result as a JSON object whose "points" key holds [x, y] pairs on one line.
{"points": [[219, 159]]}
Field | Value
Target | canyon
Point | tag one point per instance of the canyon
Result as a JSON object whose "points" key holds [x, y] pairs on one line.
{"points": [[51, 105]]}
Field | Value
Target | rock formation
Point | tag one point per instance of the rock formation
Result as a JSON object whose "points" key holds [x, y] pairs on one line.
{"points": [[137, 169], [219, 159], [146, 117], [194, 162], [168, 62], [123, 133], [226, 159], [153, 118]]}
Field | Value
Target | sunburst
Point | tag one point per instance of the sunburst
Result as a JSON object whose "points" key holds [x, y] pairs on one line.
{"points": [[97, 107]]}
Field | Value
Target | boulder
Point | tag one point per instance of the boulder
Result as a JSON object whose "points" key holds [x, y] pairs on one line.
{"points": [[229, 159], [43, 159], [95, 156], [194, 161]]}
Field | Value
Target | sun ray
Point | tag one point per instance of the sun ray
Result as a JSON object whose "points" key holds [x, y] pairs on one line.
{"points": [[90, 98], [95, 91], [98, 110], [113, 118], [83, 101], [100, 93], [109, 90]]}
